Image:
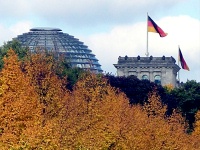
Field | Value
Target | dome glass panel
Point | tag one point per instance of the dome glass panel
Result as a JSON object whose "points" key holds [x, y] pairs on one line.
{"points": [[52, 39]]}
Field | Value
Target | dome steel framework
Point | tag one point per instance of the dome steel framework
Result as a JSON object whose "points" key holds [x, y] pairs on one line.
{"points": [[52, 39]]}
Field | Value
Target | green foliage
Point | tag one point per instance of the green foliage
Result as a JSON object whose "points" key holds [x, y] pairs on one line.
{"points": [[136, 90], [188, 98], [16, 46], [64, 70], [73, 75]]}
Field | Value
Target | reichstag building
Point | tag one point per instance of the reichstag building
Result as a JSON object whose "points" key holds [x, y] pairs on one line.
{"points": [[52, 39], [161, 70]]}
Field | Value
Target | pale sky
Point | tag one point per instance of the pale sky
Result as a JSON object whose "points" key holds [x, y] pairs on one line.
{"points": [[113, 28]]}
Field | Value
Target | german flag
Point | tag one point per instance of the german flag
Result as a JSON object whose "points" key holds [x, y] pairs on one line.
{"points": [[182, 61], [153, 27]]}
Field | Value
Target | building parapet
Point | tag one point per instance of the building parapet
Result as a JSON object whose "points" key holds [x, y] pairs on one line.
{"points": [[162, 69]]}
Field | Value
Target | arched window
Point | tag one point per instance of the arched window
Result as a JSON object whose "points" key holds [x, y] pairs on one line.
{"points": [[157, 79], [145, 77]]}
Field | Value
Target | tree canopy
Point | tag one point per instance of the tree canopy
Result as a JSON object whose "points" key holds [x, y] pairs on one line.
{"points": [[188, 99], [38, 111], [14, 45]]}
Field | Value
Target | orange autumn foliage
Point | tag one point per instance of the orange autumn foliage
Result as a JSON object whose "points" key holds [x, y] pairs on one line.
{"points": [[196, 132], [41, 69], [169, 87], [37, 112], [197, 124], [94, 114], [99, 117], [19, 108], [164, 132], [23, 122]]}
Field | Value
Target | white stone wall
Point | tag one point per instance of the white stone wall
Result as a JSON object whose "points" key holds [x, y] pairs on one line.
{"points": [[167, 74], [163, 67]]}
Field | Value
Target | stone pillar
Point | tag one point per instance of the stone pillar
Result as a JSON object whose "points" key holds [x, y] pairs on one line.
{"points": [[151, 77], [138, 70]]}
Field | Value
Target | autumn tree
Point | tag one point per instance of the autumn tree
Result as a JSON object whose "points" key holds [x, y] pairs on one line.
{"points": [[195, 135], [19, 107], [100, 117], [164, 131], [31, 99], [37, 112], [41, 68], [94, 114]]}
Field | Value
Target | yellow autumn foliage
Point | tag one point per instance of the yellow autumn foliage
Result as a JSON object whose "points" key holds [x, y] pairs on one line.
{"points": [[19, 108], [37, 112]]}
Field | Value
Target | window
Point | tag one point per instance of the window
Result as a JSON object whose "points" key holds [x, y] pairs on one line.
{"points": [[145, 77], [157, 79]]}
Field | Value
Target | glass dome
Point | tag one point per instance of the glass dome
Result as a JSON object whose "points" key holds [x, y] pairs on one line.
{"points": [[52, 39]]}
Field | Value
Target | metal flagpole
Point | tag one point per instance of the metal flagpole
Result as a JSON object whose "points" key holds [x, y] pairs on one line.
{"points": [[147, 53], [178, 64]]}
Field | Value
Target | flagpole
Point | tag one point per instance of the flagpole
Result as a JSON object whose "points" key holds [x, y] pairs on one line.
{"points": [[178, 64], [147, 53]]}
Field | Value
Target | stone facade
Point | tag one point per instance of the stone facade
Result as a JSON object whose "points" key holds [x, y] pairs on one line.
{"points": [[161, 70]]}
